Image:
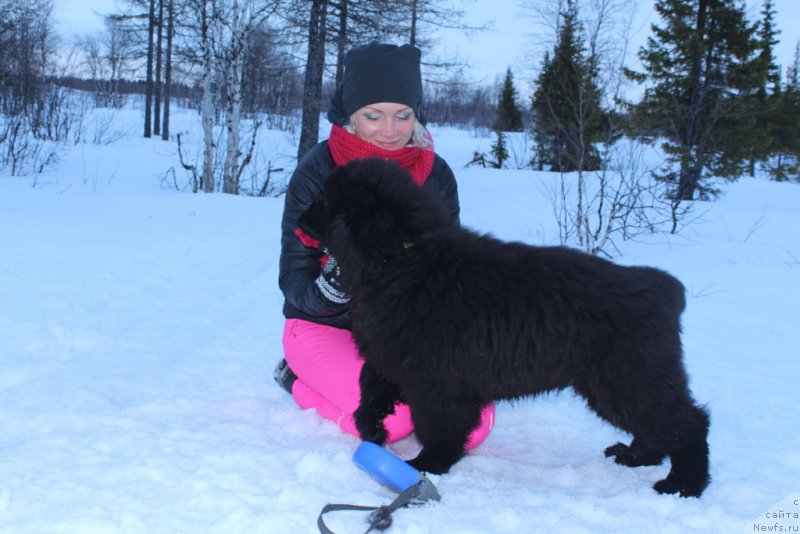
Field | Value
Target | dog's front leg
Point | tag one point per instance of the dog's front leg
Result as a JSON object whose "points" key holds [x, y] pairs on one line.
{"points": [[442, 426], [378, 397]]}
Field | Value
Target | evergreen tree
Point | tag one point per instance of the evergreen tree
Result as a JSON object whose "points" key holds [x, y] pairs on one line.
{"points": [[702, 65], [764, 101], [508, 115], [499, 150], [785, 123], [767, 39], [567, 116]]}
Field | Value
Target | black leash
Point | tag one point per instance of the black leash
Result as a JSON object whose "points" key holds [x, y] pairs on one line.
{"points": [[381, 516]]}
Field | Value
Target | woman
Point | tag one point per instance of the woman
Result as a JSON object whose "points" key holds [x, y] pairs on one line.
{"points": [[375, 112]]}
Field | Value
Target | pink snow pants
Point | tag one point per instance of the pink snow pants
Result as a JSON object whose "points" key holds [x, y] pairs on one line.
{"points": [[327, 364]]}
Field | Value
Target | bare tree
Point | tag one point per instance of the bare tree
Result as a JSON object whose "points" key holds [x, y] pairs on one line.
{"points": [[207, 14], [34, 115], [422, 18], [344, 23], [312, 86], [341, 33], [272, 87], [108, 60], [221, 32], [419, 21], [159, 27], [354, 22], [28, 42], [168, 68], [148, 101], [244, 17]]}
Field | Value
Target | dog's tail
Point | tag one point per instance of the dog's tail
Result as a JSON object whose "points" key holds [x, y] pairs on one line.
{"points": [[670, 292]]}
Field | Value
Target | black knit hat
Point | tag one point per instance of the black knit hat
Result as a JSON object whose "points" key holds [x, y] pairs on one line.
{"points": [[378, 73]]}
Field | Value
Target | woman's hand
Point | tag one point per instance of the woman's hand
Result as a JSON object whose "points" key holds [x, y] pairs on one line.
{"points": [[329, 282]]}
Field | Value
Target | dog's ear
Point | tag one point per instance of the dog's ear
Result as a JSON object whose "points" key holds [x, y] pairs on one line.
{"points": [[313, 221], [381, 206]]}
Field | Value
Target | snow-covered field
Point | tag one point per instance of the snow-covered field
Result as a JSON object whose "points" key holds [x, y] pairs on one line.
{"points": [[139, 327]]}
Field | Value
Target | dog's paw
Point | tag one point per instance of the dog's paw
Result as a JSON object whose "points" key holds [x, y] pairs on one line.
{"points": [[369, 427], [375, 433], [378, 436], [436, 464], [425, 467], [670, 486], [616, 450], [687, 482], [371, 430], [634, 456]]}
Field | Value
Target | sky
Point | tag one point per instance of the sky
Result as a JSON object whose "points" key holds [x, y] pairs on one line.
{"points": [[512, 40], [81, 16]]}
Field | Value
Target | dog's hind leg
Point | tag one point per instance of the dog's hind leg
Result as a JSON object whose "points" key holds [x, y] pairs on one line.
{"points": [[442, 427], [605, 403], [682, 435], [663, 421], [689, 456]]}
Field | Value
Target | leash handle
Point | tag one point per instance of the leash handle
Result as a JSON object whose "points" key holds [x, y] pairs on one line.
{"points": [[381, 516]]}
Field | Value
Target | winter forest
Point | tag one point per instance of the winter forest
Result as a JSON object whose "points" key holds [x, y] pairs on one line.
{"points": [[708, 89]]}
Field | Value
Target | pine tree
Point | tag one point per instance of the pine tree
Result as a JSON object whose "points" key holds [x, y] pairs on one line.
{"points": [[508, 115], [499, 150], [768, 38], [785, 132], [700, 62], [759, 141], [567, 115]]}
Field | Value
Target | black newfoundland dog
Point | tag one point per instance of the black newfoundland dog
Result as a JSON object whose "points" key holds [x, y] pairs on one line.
{"points": [[448, 320]]}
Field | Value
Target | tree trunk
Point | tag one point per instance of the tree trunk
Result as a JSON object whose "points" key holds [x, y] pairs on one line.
{"points": [[341, 41], [168, 70], [207, 104], [233, 101], [148, 98], [312, 86], [687, 183], [157, 89], [412, 38]]}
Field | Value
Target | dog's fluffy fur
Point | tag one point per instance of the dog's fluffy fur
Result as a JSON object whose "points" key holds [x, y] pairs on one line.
{"points": [[448, 320]]}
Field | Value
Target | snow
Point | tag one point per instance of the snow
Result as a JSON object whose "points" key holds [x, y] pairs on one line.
{"points": [[140, 327]]}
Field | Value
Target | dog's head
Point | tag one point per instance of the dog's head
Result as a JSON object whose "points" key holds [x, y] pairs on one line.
{"points": [[371, 211]]}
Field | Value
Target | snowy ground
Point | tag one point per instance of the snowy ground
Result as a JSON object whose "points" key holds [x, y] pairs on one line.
{"points": [[140, 327]]}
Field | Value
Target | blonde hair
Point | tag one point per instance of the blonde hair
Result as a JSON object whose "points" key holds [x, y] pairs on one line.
{"points": [[420, 136]]}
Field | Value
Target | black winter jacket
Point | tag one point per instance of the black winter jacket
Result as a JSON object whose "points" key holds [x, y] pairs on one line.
{"points": [[300, 264]]}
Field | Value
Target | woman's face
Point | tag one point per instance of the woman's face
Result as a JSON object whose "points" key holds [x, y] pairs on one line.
{"points": [[386, 124]]}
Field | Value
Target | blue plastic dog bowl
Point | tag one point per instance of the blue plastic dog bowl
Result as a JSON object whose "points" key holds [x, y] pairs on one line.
{"points": [[385, 467], [393, 472]]}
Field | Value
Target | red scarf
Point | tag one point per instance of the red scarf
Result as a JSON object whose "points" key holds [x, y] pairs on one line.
{"points": [[345, 147]]}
